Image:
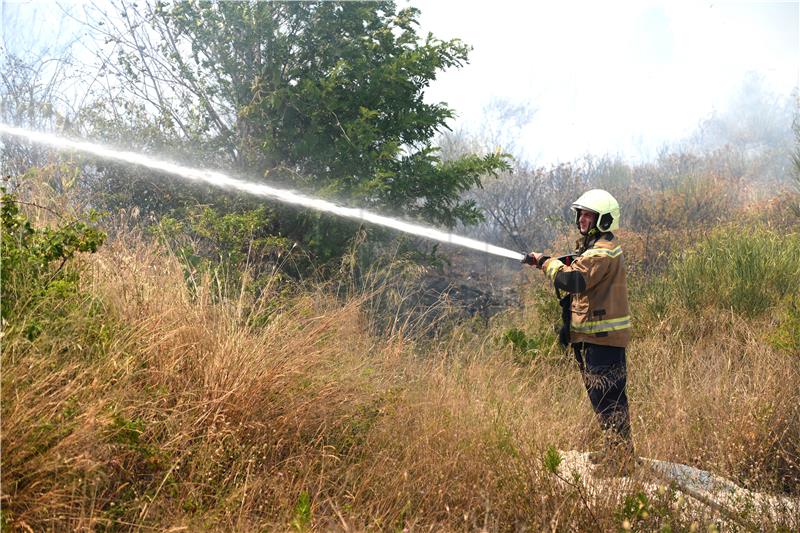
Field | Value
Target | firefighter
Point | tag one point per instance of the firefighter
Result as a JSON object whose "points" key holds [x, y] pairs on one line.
{"points": [[597, 319]]}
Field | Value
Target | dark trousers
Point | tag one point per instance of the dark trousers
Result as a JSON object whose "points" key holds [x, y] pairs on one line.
{"points": [[605, 376]]}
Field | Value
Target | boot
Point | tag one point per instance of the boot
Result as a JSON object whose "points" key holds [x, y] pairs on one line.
{"points": [[616, 460], [598, 456], [617, 465]]}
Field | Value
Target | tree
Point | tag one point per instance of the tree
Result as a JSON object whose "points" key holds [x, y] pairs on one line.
{"points": [[40, 88], [30, 96], [323, 96]]}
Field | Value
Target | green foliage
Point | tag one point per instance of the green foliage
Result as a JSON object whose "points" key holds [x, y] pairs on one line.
{"points": [[504, 440], [749, 271], [326, 98], [33, 259], [660, 511], [552, 459], [224, 246], [787, 335], [142, 457], [302, 512], [126, 432], [526, 347], [338, 98], [636, 506], [6, 519]]}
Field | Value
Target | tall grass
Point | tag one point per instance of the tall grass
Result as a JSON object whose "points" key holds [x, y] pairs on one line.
{"points": [[749, 270], [144, 405], [191, 417]]}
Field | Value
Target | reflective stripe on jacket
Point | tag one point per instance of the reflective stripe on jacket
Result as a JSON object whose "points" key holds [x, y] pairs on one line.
{"points": [[598, 283]]}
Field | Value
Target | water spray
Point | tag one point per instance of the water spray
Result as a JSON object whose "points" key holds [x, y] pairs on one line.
{"points": [[224, 181]]}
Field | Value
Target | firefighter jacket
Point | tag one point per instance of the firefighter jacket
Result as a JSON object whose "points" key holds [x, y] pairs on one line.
{"points": [[598, 284]]}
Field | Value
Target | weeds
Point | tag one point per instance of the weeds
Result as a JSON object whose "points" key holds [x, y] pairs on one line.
{"points": [[302, 513], [786, 335], [552, 460]]}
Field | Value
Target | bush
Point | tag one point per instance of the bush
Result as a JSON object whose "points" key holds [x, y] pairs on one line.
{"points": [[231, 248], [746, 270], [33, 259]]}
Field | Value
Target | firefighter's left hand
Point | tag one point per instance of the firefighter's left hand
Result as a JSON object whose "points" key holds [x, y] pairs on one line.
{"points": [[536, 256]]}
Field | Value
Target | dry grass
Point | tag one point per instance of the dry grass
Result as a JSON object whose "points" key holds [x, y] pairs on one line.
{"points": [[145, 405], [719, 398]]}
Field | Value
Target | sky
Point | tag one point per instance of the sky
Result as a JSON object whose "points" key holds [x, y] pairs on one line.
{"points": [[611, 77]]}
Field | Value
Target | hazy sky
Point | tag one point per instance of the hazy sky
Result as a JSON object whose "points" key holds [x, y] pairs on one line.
{"points": [[619, 77], [612, 76]]}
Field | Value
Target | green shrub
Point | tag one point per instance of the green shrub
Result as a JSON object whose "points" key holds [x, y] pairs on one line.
{"points": [[552, 459], [748, 270], [659, 511], [302, 513], [33, 259], [223, 246], [526, 347]]}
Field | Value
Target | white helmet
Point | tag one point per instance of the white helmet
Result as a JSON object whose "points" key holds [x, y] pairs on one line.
{"points": [[602, 203]]}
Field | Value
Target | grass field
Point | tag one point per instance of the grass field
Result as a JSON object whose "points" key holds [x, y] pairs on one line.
{"points": [[132, 399]]}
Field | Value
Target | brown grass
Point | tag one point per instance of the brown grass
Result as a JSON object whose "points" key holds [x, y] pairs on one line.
{"points": [[148, 406]]}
